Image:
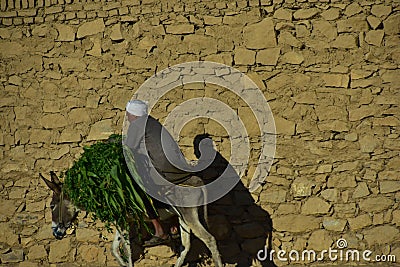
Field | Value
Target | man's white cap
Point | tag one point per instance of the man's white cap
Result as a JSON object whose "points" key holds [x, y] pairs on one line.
{"points": [[137, 107]]}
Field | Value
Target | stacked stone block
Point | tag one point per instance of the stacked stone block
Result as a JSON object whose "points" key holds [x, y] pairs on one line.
{"points": [[329, 70]]}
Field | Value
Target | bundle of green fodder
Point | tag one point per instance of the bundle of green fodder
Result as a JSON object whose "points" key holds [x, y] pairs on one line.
{"points": [[100, 183]]}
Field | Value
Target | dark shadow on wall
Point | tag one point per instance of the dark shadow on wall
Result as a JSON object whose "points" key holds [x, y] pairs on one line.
{"points": [[241, 227]]}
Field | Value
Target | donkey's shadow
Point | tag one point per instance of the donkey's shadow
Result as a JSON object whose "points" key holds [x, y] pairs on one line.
{"points": [[240, 226]]}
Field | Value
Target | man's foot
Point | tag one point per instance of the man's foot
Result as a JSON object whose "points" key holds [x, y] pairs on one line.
{"points": [[155, 241], [174, 232]]}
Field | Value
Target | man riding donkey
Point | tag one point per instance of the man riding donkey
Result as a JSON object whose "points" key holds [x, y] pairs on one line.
{"points": [[156, 153], [159, 167]]}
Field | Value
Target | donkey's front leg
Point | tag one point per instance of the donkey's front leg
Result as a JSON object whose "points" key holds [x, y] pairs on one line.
{"points": [[115, 248], [127, 247], [118, 238], [185, 237]]}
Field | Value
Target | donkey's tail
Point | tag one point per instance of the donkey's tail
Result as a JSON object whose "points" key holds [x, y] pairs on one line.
{"points": [[205, 210], [206, 216]]}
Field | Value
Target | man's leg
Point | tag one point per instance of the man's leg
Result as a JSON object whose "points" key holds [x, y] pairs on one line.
{"points": [[153, 216], [159, 231], [159, 235]]}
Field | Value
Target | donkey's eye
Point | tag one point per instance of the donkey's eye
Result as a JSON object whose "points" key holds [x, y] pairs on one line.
{"points": [[52, 206]]}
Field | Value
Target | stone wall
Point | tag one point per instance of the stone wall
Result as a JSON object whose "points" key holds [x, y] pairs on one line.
{"points": [[329, 70]]}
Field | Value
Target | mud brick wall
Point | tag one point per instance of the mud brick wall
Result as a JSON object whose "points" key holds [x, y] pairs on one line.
{"points": [[329, 70]]}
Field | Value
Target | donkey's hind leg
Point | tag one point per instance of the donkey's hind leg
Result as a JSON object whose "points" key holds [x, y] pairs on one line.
{"points": [[185, 237], [191, 218]]}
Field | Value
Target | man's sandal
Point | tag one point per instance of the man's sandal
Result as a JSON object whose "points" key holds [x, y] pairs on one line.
{"points": [[155, 241]]}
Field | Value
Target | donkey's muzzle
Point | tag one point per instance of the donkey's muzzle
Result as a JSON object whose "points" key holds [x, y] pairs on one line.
{"points": [[59, 232], [58, 236]]}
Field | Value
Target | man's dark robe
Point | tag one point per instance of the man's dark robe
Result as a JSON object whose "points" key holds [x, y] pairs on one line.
{"points": [[146, 138]]}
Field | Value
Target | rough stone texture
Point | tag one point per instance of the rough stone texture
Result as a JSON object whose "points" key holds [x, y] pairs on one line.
{"points": [[69, 136], [391, 24], [161, 251], [37, 252], [361, 190], [116, 34], [344, 41], [328, 69], [336, 80], [283, 13], [305, 98], [7, 235], [260, 35], [92, 254], [326, 29], [60, 251], [296, 223], [381, 11], [87, 235], [65, 33], [360, 222], [52, 121], [293, 58], [396, 217], [375, 204], [352, 9], [16, 255], [368, 143], [331, 14], [180, 29], [135, 62], [315, 205], [284, 126], [361, 112], [319, 240], [334, 224], [356, 23], [374, 37], [8, 209], [273, 196], [381, 234], [100, 130], [373, 21], [244, 56], [302, 187], [341, 181], [305, 13], [90, 28], [389, 186], [288, 39], [268, 56], [330, 194]]}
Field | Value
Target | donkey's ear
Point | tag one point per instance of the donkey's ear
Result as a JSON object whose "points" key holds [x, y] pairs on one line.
{"points": [[54, 178], [56, 188]]}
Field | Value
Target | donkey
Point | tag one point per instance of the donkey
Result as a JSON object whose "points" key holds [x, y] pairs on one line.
{"points": [[64, 212]]}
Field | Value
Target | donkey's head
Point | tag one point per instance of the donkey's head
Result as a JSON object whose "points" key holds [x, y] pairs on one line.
{"points": [[63, 212]]}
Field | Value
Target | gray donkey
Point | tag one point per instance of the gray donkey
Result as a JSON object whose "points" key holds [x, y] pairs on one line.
{"points": [[64, 212]]}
